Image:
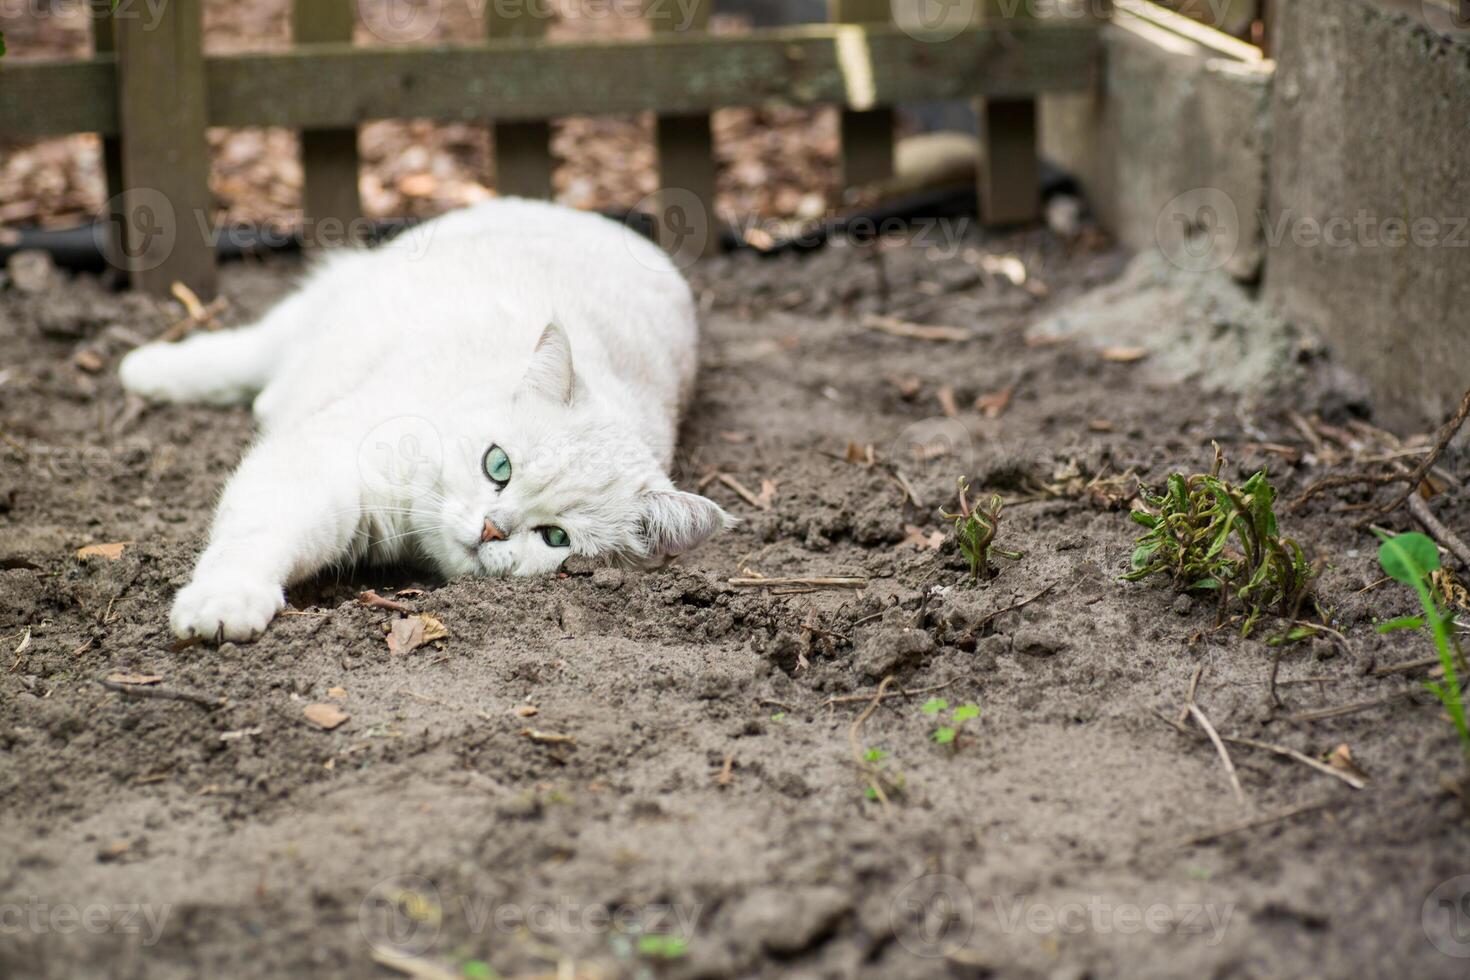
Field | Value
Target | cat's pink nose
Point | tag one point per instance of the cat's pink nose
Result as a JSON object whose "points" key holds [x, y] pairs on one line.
{"points": [[492, 532]]}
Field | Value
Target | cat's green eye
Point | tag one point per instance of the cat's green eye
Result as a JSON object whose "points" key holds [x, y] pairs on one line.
{"points": [[555, 537], [497, 466]]}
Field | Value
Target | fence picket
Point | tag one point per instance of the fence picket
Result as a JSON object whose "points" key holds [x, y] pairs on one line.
{"points": [[867, 134], [686, 150], [329, 160], [162, 110], [522, 150], [1009, 172]]}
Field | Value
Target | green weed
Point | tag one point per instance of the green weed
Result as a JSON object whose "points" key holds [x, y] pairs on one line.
{"points": [[1413, 559], [974, 531], [947, 733], [1207, 534]]}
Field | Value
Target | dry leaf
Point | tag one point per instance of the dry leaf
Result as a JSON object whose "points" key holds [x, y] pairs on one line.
{"points": [[993, 404], [418, 185], [767, 496], [325, 716], [915, 331], [734, 438], [925, 541], [908, 385], [527, 710], [1124, 355], [134, 678], [862, 455], [1008, 267], [337, 693], [1341, 758], [112, 551], [547, 738], [945, 395], [407, 593], [1100, 425], [411, 632], [88, 360]]}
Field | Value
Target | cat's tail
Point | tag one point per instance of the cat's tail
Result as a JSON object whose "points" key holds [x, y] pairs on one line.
{"points": [[223, 368]]}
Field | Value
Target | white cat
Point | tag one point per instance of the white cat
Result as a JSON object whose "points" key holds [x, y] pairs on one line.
{"points": [[419, 399]]}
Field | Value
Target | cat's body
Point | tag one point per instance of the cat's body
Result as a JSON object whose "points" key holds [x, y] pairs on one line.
{"points": [[397, 387]]}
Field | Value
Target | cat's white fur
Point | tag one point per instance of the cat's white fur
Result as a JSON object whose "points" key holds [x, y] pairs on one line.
{"points": [[380, 384]]}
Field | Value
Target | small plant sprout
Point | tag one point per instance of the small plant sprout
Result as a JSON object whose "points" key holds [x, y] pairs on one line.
{"points": [[1413, 559], [1208, 534], [658, 946], [974, 530], [946, 734]]}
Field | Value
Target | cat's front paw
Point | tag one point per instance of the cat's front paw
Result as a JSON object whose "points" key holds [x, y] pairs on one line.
{"points": [[223, 607]]}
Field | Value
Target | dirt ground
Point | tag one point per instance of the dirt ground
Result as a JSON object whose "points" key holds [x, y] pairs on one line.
{"points": [[707, 787]]}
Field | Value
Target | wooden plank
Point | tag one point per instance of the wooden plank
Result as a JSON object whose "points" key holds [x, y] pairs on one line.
{"points": [[867, 134], [110, 231], [685, 205], [167, 208], [329, 161], [339, 85], [1010, 169], [522, 150], [1010, 175]]}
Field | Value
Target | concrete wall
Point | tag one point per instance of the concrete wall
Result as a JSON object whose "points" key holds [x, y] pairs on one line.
{"points": [[1339, 175], [1371, 124], [1176, 128]]}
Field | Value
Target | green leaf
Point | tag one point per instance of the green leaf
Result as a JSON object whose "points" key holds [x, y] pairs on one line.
{"points": [[965, 712], [477, 970], [2, 44], [1402, 623], [1408, 558], [1144, 517], [875, 755], [934, 705], [663, 947], [1206, 583], [779, 716], [1142, 554], [945, 735]]}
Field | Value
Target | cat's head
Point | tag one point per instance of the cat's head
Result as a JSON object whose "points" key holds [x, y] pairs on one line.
{"points": [[551, 477]]}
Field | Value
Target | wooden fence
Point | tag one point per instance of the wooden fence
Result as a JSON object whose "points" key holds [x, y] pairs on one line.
{"points": [[150, 92]]}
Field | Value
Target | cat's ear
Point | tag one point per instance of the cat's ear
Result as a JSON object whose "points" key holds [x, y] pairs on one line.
{"points": [[675, 522], [550, 374]]}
